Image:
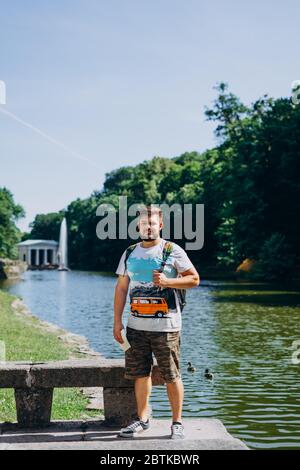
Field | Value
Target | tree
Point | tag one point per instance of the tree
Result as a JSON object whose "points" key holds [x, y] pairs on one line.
{"points": [[10, 213], [46, 226]]}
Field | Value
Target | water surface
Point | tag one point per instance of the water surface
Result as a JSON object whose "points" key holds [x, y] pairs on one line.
{"points": [[242, 331]]}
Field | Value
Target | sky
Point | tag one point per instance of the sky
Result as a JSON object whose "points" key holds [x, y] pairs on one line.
{"points": [[95, 85]]}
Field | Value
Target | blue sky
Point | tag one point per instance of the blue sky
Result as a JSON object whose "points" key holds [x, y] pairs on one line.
{"points": [[119, 82]]}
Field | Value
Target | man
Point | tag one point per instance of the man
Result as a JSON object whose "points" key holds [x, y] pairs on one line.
{"points": [[155, 322]]}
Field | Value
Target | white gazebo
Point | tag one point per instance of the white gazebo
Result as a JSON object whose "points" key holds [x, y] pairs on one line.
{"points": [[38, 252]]}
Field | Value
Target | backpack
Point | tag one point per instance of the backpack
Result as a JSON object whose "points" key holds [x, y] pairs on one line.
{"points": [[168, 247]]}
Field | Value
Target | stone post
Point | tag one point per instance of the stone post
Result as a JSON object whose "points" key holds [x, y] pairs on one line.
{"points": [[33, 406], [119, 405]]}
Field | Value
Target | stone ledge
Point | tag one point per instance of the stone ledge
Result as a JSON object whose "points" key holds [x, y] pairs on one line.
{"points": [[68, 373], [11, 269]]}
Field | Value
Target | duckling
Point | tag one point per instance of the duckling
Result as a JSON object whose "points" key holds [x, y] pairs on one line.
{"points": [[208, 375], [191, 368]]}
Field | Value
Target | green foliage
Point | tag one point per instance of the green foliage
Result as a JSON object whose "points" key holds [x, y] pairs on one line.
{"points": [[46, 226], [10, 235], [275, 259], [260, 175]]}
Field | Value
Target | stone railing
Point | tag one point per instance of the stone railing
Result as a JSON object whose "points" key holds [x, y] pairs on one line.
{"points": [[33, 384]]}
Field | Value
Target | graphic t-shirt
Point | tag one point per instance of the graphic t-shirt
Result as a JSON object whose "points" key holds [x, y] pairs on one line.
{"points": [[153, 308]]}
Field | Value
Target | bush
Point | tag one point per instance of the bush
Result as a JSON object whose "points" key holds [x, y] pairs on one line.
{"points": [[275, 259]]}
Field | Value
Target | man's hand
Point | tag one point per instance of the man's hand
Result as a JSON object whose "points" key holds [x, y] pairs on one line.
{"points": [[118, 327], [186, 280], [160, 279]]}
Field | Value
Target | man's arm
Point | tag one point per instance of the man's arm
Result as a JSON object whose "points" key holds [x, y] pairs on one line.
{"points": [[121, 291], [189, 279]]}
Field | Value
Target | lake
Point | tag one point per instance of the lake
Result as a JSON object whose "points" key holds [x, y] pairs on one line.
{"points": [[242, 331]]}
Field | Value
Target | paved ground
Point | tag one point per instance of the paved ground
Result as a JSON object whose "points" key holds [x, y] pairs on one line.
{"points": [[202, 433]]}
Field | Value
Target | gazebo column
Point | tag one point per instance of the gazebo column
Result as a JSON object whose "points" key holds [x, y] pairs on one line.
{"points": [[37, 258], [45, 256], [28, 258]]}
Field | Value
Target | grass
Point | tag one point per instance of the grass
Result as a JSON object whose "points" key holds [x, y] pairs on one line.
{"points": [[24, 340]]}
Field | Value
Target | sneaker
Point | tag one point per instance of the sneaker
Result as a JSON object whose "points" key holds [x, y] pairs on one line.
{"points": [[177, 431], [134, 428]]}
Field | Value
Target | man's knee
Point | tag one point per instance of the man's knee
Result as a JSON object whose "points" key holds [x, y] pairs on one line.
{"points": [[173, 381]]}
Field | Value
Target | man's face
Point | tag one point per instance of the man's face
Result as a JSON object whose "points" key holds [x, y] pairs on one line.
{"points": [[149, 226]]}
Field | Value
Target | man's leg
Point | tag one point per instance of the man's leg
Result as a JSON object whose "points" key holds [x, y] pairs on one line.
{"points": [[166, 348], [142, 388], [138, 366], [176, 393]]}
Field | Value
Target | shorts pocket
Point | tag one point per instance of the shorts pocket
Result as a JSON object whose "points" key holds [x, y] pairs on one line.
{"points": [[173, 336]]}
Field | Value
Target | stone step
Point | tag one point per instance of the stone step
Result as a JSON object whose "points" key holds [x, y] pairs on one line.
{"points": [[201, 434]]}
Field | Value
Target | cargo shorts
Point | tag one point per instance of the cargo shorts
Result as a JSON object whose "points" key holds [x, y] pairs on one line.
{"points": [[164, 345]]}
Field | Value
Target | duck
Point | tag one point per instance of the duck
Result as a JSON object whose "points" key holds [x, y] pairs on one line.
{"points": [[208, 375], [191, 368]]}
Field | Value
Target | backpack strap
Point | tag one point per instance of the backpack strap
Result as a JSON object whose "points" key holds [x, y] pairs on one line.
{"points": [[167, 250], [129, 250], [181, 293]]}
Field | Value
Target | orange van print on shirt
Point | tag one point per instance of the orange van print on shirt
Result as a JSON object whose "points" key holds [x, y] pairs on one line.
{"points": [[149, 307]]}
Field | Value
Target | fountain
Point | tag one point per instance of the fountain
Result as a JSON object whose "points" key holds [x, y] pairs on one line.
{"points": [[63, 247]]}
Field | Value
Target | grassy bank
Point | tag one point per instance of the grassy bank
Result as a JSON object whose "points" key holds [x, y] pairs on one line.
{"points": [[26, 339]]}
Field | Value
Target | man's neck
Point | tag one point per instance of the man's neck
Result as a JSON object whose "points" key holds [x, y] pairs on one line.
{"points": [[149, 243]]}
